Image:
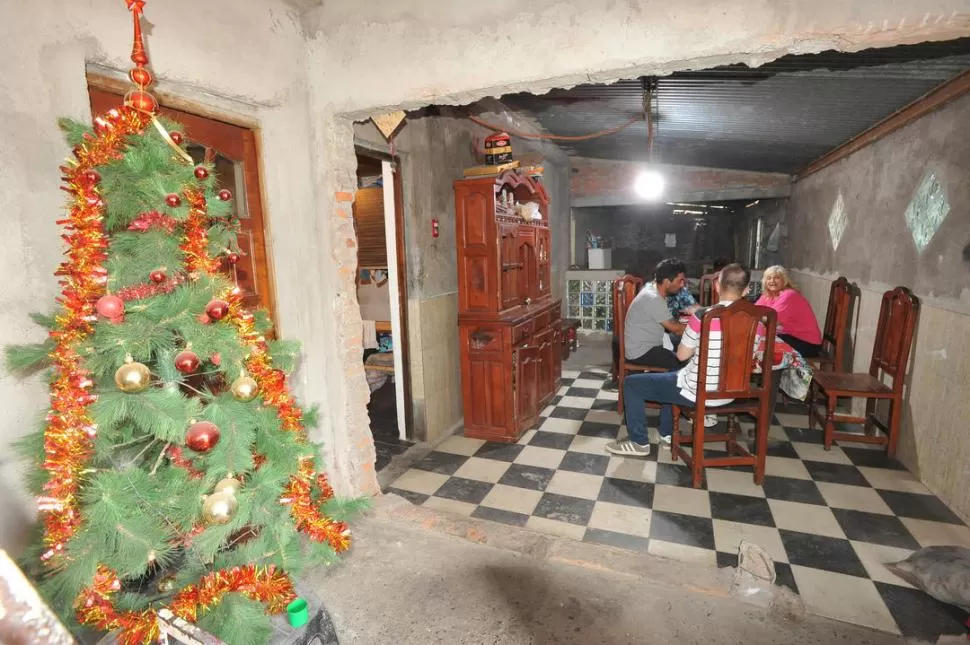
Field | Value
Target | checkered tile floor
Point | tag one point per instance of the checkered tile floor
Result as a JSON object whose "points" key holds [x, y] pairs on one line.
{"points": [[829, 519]]}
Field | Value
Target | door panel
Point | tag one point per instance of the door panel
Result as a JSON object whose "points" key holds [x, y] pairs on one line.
{"points": [[233, 151]]}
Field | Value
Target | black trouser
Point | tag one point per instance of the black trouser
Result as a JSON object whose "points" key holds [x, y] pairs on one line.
{"points": [[808, 350], [654, 357]]}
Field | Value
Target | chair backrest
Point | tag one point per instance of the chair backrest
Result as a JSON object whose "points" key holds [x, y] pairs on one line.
{"points": [[894, 335], [836, 320], [709, 289], [625, 289], [739, 326]]}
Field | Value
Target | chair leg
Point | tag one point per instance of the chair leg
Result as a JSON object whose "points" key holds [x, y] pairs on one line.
{"points": [[762, 426], [812, 400], [895, 412], [830, 421], [697, 462], [675, 437], [620, 375]]}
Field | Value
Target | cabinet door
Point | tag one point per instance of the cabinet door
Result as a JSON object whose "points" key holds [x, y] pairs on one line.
{"points": [[556, 356], [547, 349], [509, 266], [526, 252], [543, 264], [525, 367]]}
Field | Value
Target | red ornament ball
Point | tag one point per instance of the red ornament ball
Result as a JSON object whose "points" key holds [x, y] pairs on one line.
{"points": [[141, 77], [91, 177], [157, 276], [186, 361], [216, 359], [110, 307], [202, 436], [201, 173], [217, 309], [232, 258], [176, 137], [173, 200], [141, 101], [224, 195]]}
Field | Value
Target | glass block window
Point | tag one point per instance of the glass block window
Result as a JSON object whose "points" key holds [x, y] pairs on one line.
{"points": [[838, 220], [927, 210], [591, 301]]}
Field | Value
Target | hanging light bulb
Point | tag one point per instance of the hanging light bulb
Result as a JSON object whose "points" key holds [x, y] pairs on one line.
{"points": [[649, 184]]}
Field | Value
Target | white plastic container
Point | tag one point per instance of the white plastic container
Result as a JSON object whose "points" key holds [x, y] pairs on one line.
{"points": [[600, 258]]}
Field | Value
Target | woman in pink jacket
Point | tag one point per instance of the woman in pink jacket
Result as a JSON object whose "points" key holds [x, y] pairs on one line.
{"points": [[796, 320]]}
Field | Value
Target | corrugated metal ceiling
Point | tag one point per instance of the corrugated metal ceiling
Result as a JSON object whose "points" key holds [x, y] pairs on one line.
{"points": [[776, 118]]}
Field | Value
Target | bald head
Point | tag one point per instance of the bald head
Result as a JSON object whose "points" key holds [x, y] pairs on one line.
{"points": [[733, 281]]}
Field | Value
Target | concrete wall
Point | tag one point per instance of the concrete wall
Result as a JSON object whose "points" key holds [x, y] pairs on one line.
{"points": [[603, 182], [637, 235], [434, 146], [877, 251]]}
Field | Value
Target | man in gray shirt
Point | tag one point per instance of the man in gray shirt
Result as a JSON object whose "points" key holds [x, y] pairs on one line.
{"points": [[648, 319]]}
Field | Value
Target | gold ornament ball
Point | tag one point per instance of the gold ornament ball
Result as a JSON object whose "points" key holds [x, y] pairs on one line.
{"points": [[166, 584], [219, 508], [133, 377], [244, 388], [228, 485]]}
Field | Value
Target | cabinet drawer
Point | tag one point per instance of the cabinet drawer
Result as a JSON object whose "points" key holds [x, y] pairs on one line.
{"points": [[542, 320], [522, 332], [484, 339], [555, 312]]}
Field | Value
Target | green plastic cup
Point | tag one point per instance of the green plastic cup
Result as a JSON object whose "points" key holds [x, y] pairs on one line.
{"points": [[297, 613]]}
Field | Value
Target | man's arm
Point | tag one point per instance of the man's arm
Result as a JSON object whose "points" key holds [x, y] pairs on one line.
{"points": [[674, 326], [691, 340], [684, 352]]}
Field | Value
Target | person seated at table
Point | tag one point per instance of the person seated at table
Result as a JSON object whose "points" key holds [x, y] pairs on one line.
{"points": [[797, 325], [677, 388], [682, 303], [648, 319]]}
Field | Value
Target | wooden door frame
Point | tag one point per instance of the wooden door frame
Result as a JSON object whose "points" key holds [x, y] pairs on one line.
{"points": [[402, 265], [246, 147]]}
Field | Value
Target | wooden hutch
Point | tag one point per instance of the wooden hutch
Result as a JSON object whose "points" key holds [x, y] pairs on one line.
{"points": [[509, 325]]}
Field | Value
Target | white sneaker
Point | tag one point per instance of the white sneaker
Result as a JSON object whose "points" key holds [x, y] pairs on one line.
{"points": [[628, 448], [666, 441], [710, 420]]}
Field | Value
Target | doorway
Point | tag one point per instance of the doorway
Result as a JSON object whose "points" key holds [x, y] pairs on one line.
{"points": [[382, 297]]}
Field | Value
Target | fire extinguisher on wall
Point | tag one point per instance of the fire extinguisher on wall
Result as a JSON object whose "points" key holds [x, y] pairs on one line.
{"points": [[434, 227]]}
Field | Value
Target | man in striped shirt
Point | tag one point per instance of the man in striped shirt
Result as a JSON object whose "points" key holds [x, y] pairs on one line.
{"points": [[677, 388]]}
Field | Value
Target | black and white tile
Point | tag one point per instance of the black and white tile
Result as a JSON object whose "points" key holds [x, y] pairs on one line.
{"points": [[831, 519]]}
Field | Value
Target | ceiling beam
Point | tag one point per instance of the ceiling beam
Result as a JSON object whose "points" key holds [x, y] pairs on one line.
{"points": [[934, 100]]}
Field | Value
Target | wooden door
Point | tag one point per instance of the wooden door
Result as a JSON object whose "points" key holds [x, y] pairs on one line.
{"points": [[510, 266], [525, 385], [544, 341], [543, 264], [233, 150]]}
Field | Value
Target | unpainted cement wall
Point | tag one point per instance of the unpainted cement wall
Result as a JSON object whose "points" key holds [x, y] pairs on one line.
{"points": [[877, 252]]}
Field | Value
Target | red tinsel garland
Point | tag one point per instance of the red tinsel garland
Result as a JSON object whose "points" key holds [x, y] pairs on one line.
{"points": [[267, 585], [70, 429], [272, 385]]}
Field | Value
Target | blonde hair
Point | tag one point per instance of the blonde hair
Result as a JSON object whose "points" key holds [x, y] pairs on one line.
{"points": [[781, 271]]}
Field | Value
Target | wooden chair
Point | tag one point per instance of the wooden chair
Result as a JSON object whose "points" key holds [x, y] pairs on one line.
{"points": [[890, 355], [739, 326], [833, 334], [709, 289], [625, 289]]}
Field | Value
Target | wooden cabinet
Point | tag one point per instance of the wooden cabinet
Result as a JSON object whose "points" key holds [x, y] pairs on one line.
{"points": [[508, 322]]}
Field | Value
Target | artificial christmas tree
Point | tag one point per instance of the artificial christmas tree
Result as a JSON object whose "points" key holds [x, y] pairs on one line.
{"points": [[173, 465]]}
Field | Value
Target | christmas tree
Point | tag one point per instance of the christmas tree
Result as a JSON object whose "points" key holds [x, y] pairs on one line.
{"points": [[173, 467]]}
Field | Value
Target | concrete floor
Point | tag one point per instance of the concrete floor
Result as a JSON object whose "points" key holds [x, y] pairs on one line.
{"points": [[421, 577]]}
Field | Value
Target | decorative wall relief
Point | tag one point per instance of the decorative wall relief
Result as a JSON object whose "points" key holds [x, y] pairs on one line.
{"points": [[927, 210], [838, 221]]}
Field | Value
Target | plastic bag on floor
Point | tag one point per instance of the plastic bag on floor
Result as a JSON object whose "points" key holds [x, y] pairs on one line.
{"points": [[754, 579]]}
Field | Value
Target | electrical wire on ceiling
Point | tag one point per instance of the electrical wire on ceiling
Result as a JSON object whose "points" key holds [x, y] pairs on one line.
{"points": [[554, 137]]}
